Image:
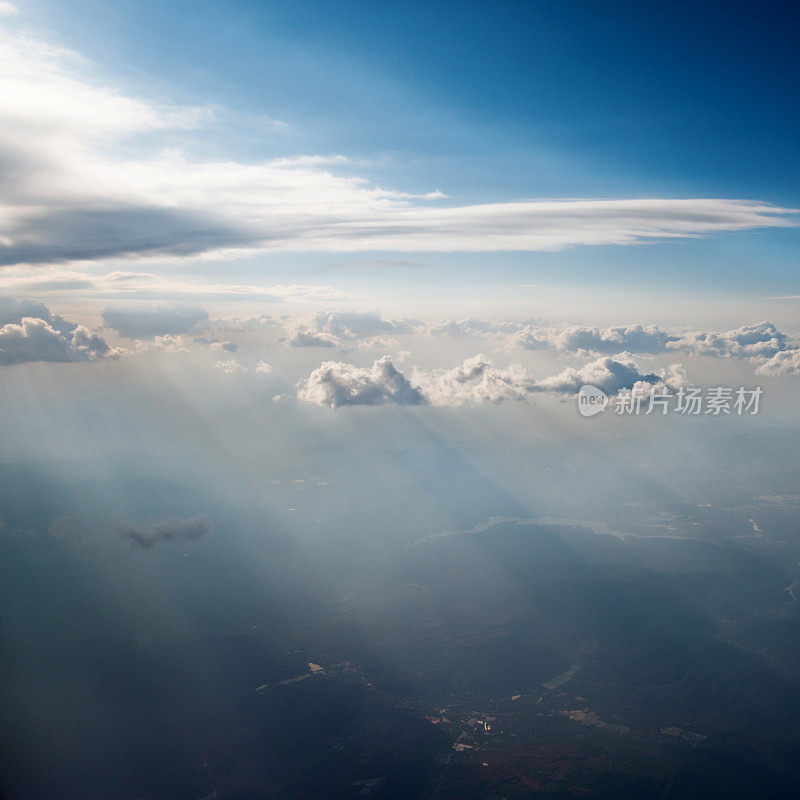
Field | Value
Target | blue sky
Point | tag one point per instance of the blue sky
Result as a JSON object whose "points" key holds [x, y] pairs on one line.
{"points": [[487, 104], [694, 100]]}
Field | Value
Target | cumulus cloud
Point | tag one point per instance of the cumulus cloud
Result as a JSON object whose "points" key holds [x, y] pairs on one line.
{"points": [[611, 374], [171, 529], [342, 329], [566, 338], [31, 332], [74, 194], [471, 328], [306, 338], [759, 343], [147, 323], [169, 344], [337, 384], [786, 362], [12, 310], [763, 340], [264, 368], [475, 381], [631, 338]]}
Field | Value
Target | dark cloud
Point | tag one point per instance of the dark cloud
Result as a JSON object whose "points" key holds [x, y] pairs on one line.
{"points": [[14, 311], [148, 322], [171, 529], [88, 234]]}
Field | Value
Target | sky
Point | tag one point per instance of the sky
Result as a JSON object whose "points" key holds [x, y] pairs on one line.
{"points": [[475, 157], [288, 287], [442, 206]]}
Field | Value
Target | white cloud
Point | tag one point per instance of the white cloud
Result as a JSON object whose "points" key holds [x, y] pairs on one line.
{"points": [[477, 380], [264, 368], [231, 367], [76, 189], [35, 340], [761, 340], [228, 347], [169, 344], [274, 125], [7, 9], [611, 374], [755, 342], [342, 329], [127, 284], [337, 384], [260, 323], [633, 338], [470, 328], [31, 332], [786, 362], [307, 338]]}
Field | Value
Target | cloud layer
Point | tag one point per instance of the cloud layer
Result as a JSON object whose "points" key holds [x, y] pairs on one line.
{"points": [[343, 329], [632, 338], [773, 351], [75, 188], [475, 381], [763, 340], [611, 374]]}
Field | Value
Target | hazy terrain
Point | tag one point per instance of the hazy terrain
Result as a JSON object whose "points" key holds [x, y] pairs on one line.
{"points": [[160, 584]]}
